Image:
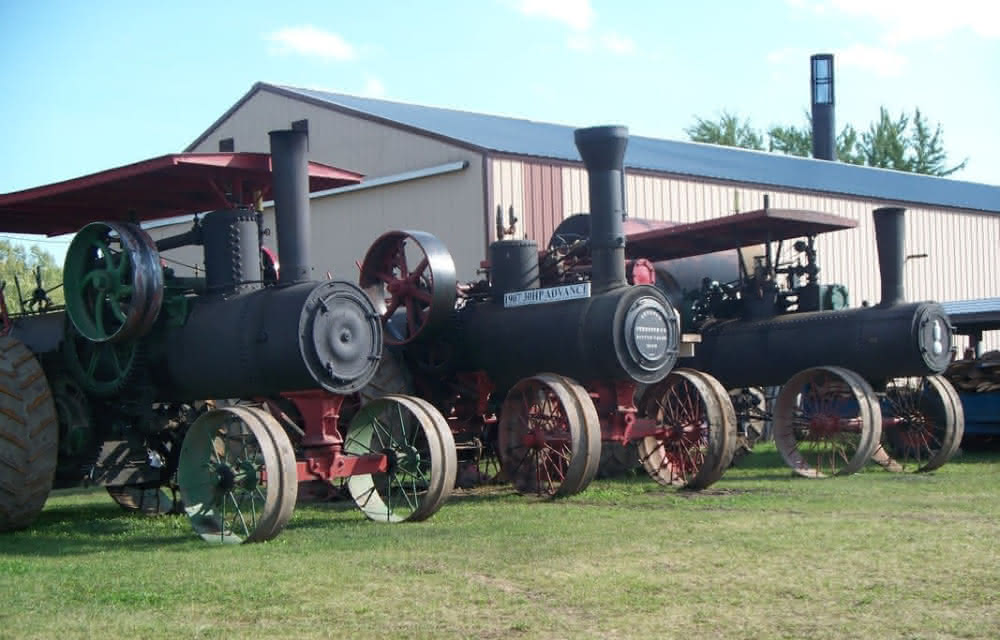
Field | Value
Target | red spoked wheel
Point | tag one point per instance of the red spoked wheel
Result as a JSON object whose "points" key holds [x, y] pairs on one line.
{"points": [[827, 422], [696, 430], [548, 440], [410, 277], [922, 424]]}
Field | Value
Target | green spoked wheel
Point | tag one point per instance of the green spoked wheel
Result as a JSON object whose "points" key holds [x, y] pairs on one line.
{"points": [[420, 453], [102, 368], [548, 437], [113, 282], [827, 422], [922, 424], [696, 430], [237, 475]]}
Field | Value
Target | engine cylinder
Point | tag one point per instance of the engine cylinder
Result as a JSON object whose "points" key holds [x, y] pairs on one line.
{"points": [[877, 342], [513, 266], [290, 338], [232, 251], [630, 333]]}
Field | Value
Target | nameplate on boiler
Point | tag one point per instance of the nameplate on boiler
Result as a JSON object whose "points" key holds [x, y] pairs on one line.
{"points": [[543, 296]]}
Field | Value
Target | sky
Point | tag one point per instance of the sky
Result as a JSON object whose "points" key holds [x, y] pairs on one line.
{"points": [[86, 86]]}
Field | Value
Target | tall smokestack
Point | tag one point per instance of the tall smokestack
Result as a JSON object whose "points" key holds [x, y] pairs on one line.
{"points": [[889, 230], [290, 187], [823, 134], [603, 153]]}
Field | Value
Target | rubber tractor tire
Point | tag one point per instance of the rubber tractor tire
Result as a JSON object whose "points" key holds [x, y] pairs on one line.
{"points": [[29, 436]]}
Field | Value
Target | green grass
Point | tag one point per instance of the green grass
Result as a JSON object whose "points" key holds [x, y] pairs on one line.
{"points": [[762, 554]]}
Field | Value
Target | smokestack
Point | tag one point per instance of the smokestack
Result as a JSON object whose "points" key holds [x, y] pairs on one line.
{"points": [[823, 134], [290, 188], [603, 153], [889, 231]]}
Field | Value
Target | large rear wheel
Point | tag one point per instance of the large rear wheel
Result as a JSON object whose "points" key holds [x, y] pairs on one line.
{"points": [[29, 433]]}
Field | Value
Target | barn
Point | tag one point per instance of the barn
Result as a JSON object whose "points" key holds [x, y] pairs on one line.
{"points": [[448, 172]]}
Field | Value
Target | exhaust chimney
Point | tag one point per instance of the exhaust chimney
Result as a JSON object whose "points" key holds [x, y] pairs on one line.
{"points": [[823, 134], [290, 188], [889, 231], [603, 152]]}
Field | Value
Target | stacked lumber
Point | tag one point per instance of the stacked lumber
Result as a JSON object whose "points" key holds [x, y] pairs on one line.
{"points": [[977, 376]]}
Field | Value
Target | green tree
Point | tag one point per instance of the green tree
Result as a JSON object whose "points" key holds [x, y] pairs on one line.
{"points": [[902, 143], [728, 130], [26, 263]]}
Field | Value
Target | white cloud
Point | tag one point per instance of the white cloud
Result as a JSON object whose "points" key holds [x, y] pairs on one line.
{"points": [[373, 88], [614, 43], [577, 14], [880, 61], [307, 40], [906, 21]]}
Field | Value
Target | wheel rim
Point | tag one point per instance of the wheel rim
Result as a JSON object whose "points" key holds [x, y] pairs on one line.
{"points": [[410, 277], [923, 424], [237, 476], [586, 461], [422, 463], [113, 282], [826, 422], [723, 435], [541, 440], [683, 453]]}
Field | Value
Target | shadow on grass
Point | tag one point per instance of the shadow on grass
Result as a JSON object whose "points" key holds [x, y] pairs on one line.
{"points": [[84, 529]]}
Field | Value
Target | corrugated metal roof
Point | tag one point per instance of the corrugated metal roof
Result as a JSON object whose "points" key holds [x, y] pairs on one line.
{"points": [[530, 138], [982, 313]]}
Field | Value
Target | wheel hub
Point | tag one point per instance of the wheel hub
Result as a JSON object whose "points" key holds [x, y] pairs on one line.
{"points": [[225, 477]]}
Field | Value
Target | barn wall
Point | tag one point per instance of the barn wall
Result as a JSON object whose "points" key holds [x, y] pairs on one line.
{"points": [[961, 246], [451, 206]]}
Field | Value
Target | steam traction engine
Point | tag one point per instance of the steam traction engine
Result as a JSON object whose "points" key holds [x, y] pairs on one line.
{"points": [[501, 358], [127, 369], [856, 383]]}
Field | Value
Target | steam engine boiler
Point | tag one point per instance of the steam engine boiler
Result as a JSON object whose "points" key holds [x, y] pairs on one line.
{"points": [[503, 359]]}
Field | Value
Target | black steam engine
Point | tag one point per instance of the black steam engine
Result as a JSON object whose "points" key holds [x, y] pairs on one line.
{"points": [[502, 358], [847, 374], [141, 359]]}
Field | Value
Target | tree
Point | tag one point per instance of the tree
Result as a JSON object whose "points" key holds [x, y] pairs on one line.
{"points": [[26, 264], [727, 131], [901, 143]]}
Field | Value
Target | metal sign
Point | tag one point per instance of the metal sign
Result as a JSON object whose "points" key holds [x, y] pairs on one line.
{"points": [[543, 296]]}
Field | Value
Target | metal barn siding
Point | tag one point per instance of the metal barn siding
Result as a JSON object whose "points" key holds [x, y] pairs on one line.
{"points": [[507, 189], [543, 200]]}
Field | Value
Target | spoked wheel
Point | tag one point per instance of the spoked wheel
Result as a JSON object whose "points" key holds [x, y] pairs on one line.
{"points": [[922, 426], [826, 422], [113, 282], [148, 500], [237, 475], [410, 277], [420, 459], [548, 436], [696, 430], [101, 368]]}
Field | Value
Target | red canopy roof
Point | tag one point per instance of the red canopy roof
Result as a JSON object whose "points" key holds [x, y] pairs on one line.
{"points": [[171, 185], [730, 232]]}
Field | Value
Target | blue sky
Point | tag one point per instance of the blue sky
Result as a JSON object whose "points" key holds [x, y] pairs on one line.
{"points": [[85, 86]]}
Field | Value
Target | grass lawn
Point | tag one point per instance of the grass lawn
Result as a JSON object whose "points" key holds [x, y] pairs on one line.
{"points": [[762, 554]]}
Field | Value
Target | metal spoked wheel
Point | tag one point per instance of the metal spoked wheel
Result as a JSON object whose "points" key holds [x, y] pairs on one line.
{"points": [[410, 277], [922, 424], [696, 431], [113, 282], [421, 459], [152, 500], [237, 475], [102, 368], [549, 442], [826, 422]]}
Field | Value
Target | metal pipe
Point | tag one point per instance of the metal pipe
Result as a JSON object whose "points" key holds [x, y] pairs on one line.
{"points": [[889, 235], [290, 189], [824, 137], [603, 152]]}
